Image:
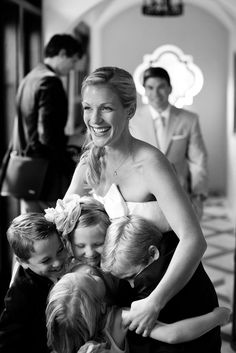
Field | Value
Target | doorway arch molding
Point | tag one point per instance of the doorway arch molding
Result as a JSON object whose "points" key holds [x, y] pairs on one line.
{"points": [[220, 9]]}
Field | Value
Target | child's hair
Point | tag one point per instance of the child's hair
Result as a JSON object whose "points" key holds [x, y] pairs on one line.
{"points": [[77, 211], [122, 83], [110, 282], [127, 243], [92, 213], [73, 313], [25, 230]]}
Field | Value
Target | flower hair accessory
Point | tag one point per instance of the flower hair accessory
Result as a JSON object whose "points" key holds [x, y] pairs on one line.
{"points": [[66, 213]]}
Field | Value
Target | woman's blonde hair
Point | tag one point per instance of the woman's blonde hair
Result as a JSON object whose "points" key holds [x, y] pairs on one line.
{"points": [[73, 313], [122, 83], [127, 243]]}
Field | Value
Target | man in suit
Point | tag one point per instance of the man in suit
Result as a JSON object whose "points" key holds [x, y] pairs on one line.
{"points": [[43, 106], [176, 132]]}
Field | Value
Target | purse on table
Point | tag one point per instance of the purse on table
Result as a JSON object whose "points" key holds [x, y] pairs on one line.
{"points": [[22, 176]]}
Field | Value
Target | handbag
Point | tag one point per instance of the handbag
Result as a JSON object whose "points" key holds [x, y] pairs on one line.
{"points": [[22, 176]]}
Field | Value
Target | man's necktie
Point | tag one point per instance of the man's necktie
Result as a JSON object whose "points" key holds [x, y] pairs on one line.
{"points": [[160, 123]]}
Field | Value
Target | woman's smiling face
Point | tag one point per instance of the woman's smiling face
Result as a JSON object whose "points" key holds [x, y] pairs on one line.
{"points": [[104, 115]]}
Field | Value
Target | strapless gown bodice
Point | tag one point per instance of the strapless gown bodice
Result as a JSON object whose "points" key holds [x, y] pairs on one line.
{"points": [[116, 207]]}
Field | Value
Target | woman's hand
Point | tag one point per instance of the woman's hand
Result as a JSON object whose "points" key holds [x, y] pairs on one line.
{"points": [[142, 316]]}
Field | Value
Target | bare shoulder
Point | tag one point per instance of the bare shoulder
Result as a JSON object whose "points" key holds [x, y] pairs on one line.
{"points": [[152, 166], [145, 154]]}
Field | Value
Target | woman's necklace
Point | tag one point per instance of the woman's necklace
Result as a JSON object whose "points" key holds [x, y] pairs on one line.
{"points": [[115, 171]]}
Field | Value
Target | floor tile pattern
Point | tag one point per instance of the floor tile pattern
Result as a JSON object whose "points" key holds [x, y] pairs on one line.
{"points": [[218, 259]]}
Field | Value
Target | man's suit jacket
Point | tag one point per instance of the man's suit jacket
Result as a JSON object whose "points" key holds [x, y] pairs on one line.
{"points": [[43, 107], [23, 320], [184, 146]]}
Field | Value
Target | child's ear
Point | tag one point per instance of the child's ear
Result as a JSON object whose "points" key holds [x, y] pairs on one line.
{"points": [[22, 263], [154, 252]]}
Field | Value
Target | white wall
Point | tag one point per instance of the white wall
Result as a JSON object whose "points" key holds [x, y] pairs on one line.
{"points": [[231, 140], [58, 15]]}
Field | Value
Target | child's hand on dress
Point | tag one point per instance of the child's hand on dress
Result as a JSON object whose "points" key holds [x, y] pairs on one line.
{"points": [[142, 316], [224, 315]]}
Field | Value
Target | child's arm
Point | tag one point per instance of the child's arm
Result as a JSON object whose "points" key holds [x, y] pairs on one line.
{"points": [[190, 329]]}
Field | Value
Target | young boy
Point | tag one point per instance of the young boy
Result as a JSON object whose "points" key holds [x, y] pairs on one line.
{"points": [[133, 251], [43, 260]]}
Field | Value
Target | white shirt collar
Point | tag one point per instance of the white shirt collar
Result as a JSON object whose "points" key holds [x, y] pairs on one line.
{"points": [[155, 114]]}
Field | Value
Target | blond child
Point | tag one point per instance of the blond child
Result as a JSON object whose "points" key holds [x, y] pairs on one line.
{"points": [[78, 313], [133, 251]]}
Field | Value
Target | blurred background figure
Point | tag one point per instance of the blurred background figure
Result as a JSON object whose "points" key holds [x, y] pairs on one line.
{"points": [[176, 132], [43, 107]]}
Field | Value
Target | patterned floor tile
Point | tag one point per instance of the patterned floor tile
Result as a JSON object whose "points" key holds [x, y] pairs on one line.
{"points": [[212, 251], [218, 259], [223, 241], [224, 263]]}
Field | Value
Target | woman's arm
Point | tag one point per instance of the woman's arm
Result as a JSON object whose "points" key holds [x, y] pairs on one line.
{"points": [[161, 181], [78, 182], [187, 329], [190, 329]]}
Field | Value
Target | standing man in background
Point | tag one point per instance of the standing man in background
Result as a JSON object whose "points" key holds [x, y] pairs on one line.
{"points": [[43, 107], [176, 132]]}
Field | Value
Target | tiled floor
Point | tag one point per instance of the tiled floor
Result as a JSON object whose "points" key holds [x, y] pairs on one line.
{"points": [[218, 260]]}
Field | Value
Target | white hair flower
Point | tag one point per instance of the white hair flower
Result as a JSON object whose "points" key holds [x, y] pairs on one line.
{"points": [[66, 213]]}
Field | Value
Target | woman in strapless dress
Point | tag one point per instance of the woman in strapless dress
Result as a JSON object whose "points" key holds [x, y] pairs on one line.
{"points": [[132, 177]]}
